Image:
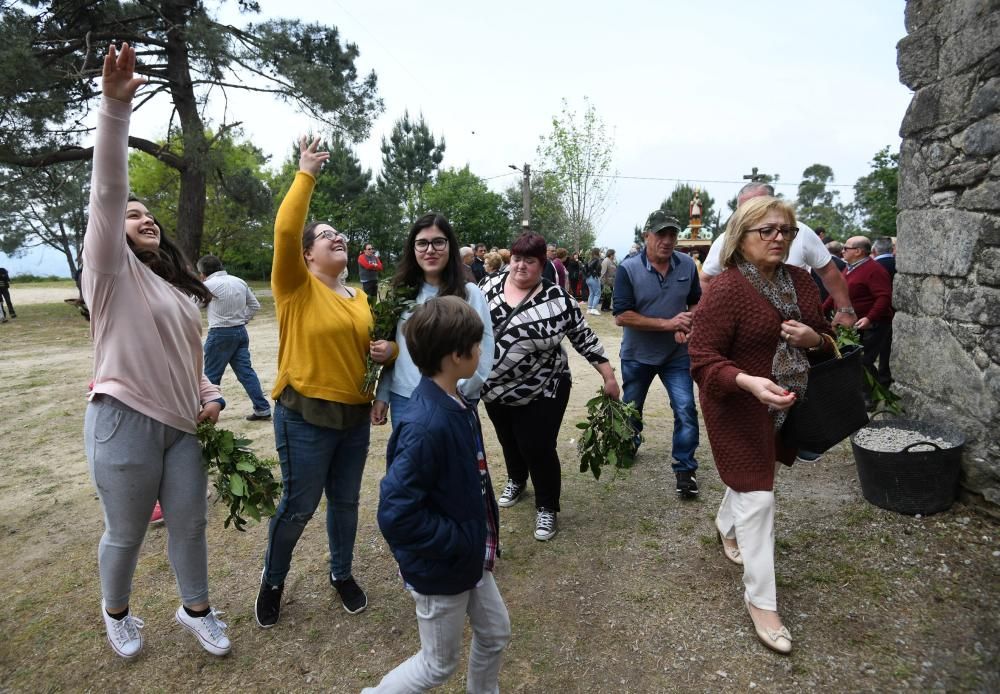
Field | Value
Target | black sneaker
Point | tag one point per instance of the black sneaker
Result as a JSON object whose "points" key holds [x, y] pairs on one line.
{"points": [[511, 493], [254, 417], [687, 484], [351, 595], [267, 609]]}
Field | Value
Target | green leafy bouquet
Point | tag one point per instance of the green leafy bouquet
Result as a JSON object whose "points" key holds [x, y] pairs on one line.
{"points": [[883, 398], [243, 482], [608, 435], [387, 313]]}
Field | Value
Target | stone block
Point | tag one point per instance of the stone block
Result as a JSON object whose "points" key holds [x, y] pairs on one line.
{"points": [[991, 344], [928, 357], [944, 198], [976, 304], [985, 196], [919, 14], [941, 106], [978, 40], [968, 334], [988, 267], [986, 99], [914, 188], [939, 242], [982, 139], [938, 154], [930, 296], [916, 58]]}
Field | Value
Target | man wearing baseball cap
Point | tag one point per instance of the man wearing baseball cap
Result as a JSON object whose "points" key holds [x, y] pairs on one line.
{"points": [[654, 292]]}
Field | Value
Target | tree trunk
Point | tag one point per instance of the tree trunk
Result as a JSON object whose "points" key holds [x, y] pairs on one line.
{"points": [[191, 204]]}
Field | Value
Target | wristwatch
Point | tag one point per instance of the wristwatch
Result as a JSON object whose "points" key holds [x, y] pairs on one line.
{"points": [[846, 309]]}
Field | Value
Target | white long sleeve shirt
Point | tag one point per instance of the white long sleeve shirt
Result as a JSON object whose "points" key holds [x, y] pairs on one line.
{"points": [[233, 302]]}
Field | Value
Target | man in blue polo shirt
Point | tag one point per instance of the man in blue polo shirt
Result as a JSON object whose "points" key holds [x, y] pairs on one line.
{"points": [[654, 292]]}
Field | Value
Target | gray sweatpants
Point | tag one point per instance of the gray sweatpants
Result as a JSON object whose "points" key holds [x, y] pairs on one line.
{"points": [[135, 460]]}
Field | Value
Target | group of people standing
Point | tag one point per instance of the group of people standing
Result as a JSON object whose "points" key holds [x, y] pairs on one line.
{"points": [[749, 344]]}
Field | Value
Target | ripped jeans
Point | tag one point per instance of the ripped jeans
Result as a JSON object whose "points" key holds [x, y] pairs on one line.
{"points": [[315, 460]]}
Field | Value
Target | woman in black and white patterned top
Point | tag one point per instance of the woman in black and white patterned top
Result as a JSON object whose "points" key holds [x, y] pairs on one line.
{"points": [[527, 391]]}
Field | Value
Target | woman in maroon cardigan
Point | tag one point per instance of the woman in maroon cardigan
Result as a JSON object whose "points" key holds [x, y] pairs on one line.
{"points": [[748, 346]]}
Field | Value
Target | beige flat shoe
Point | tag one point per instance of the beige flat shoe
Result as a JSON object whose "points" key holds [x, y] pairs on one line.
{"points": [[731, 553], [778, 640]]}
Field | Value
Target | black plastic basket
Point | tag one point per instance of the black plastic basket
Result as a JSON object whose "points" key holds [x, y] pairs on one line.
{"points": [[911, 481]]}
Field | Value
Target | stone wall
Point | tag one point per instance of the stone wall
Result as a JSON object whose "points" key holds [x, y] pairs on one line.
{"points": [[946, 346]]}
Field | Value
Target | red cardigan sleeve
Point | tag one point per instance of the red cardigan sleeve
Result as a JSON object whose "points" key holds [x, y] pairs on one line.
{"points": [[712, 334], [363, 262], [880, 285]]}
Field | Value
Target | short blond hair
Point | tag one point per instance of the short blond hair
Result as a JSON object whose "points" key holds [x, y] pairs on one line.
{"points": [[492, 261], [746, 216]]}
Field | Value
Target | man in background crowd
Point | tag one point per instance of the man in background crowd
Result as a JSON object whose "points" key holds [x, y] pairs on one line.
{"points": [[370, 265]]}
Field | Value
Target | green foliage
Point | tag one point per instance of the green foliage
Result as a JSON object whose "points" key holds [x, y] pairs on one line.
{"points": [[387, 312], [238, 216], [678, 205], [875, 194], [819, 207], [51, 55], [475, 212], [579, 152], [244, 483], [608, 435], [45, 207], [882, 397], [410, 157], [548, 216]]}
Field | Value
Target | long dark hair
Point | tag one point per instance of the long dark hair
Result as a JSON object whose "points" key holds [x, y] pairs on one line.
{"points": [[408, 272], [169, 262]]}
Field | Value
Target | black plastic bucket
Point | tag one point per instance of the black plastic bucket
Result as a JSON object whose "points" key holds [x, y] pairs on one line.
{"points": [[909, 481]]}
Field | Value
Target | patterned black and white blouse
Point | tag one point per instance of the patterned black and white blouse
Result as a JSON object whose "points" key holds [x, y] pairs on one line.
{"points": [[528, 360]]}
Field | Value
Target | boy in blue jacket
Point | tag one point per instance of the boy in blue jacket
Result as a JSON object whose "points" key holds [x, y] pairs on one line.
{"points": [[437, 510]]}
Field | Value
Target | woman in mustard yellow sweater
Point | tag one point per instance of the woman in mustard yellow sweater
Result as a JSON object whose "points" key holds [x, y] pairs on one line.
{"points": [[321, 416]]}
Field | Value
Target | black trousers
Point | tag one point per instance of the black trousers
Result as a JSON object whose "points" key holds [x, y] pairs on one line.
{"points": [[872, 339], [528, 436], [5, 296], [885, 350], [370, 287]]}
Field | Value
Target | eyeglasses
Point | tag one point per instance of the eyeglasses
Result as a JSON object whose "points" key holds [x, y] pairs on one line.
{"points": [[438, 243], [769, 233], [330, 235]]}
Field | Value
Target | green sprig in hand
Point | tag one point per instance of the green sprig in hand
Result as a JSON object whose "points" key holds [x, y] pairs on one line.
{"points": [[387, 313], [883, 398], [243, 482], [608, 436]]}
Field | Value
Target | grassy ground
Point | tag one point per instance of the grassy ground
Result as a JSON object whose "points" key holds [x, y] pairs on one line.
{"points": [[633, 595]]}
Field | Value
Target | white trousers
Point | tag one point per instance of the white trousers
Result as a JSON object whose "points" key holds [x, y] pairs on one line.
{"points": [[440, 621], [749, 518]]}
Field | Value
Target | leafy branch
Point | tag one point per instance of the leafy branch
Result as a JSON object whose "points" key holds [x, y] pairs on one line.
{"points": [[243, 482], [882, 397], [387, 312], [608, 436]]}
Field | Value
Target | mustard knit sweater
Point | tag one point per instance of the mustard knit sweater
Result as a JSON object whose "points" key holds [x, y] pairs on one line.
{"points": [[322, 336]]}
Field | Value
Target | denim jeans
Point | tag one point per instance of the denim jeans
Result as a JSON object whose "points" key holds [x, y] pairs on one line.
{"points": [[441, 621], [676, 378], [232, 346], [594, 287], [313, 460]]}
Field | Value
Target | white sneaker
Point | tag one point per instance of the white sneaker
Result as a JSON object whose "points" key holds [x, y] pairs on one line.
{"points": [[545, 525], [123, 634], [210, 630]]}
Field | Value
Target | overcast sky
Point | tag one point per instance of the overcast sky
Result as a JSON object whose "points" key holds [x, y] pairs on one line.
{"points": [[695, 91]]}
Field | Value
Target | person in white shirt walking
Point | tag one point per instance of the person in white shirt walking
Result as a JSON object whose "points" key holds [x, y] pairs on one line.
{"points": [[232, 306]]}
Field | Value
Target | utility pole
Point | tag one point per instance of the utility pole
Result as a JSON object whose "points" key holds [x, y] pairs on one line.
{"points": [[525, 194]]}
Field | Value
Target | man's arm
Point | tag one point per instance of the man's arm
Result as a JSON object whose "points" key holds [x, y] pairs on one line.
{"points": [[836, 286], [631, 319]]}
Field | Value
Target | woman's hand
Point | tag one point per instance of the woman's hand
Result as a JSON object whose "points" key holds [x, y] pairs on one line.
{"points": [[118, 80], [800, 335], [381, 350], [610, 387], [863, 324], [210, 410], [311, 161], [766, 391], [380, 408]]}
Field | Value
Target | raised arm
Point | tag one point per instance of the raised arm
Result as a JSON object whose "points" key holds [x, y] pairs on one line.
{"points": [[105, 246], [288, 268]]}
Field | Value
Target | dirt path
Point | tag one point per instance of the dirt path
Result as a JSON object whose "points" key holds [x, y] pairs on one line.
{"points": [[632, 596]]}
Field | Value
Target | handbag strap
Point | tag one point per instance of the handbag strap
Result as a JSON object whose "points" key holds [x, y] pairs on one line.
{"points": [[497, 332]]}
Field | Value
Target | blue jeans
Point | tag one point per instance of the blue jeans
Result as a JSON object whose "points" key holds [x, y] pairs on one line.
{"points": [[594, 287], [676, 378], [313, 460], [231, 346]]}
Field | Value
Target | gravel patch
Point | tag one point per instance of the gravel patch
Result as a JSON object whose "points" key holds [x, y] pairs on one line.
{"points": [[894, 440]]}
